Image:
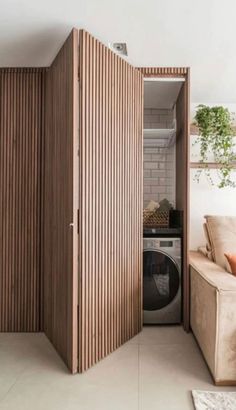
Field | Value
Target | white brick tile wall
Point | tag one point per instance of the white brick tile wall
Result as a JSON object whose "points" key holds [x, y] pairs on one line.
{"points": [[150, 165], [162, 165], [158, 118], [158, 189], [147, 173], [159, 163], [158, 173], [146, 189], [147, 157], [159, 176]]}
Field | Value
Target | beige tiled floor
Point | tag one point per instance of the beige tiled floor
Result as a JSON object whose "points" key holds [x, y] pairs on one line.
{"points": [[155, 370]]}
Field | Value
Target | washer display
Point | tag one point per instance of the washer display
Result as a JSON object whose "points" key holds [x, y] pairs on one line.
{"points": [[162, 280]]}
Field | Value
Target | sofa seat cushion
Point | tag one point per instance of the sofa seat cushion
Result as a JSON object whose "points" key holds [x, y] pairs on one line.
{"points": [[222, 235]]}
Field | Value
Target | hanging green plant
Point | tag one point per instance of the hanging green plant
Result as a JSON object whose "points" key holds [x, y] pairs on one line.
{"points": [[216, 136]]}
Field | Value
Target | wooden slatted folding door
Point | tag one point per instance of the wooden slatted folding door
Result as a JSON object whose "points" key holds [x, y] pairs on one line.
{"points": [[60, 256], [110, 201]]}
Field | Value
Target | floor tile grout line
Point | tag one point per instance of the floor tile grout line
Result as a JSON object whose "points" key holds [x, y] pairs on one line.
{"points": [[16, 379], [13, 384]]}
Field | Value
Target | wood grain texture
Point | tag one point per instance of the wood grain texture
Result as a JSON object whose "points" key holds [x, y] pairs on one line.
{"points": [[110, 201], [21, 128], [60, 255], [163, 71], [182, 186]]}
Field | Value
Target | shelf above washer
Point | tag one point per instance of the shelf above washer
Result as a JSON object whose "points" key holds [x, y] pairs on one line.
{"points": [[159, 137]]}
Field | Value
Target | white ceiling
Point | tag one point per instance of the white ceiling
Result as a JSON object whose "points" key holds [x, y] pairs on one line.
{"points": [[161, 94], [196, 33]]}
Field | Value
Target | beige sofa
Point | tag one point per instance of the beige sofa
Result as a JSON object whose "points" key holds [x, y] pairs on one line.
{"points": [[213, 316]]}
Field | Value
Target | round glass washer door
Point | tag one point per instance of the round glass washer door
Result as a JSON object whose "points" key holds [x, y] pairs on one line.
{"points": [[160, 280]]}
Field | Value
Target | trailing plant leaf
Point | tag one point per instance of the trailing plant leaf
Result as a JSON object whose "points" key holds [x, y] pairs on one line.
{"points": [[216, 137]]}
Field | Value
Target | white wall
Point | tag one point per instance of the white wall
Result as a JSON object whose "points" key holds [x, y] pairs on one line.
{"points": [[197, 34], [207, 199]]}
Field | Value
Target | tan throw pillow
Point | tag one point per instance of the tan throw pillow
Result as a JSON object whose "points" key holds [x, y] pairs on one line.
{"points": [[232, 262], [222, 235]]}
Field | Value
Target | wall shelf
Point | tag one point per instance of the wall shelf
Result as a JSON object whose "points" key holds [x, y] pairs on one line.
{"points": [[209, 165], [159, 137], [194, 130]]}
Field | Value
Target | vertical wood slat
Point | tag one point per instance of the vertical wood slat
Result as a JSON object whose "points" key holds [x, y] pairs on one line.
{"points": [[164, 71], [21, 128], [182, 187], [110, 201], [60, 203]]}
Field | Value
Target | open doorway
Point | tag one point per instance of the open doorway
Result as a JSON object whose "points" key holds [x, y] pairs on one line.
{"points": [[164, 199]]}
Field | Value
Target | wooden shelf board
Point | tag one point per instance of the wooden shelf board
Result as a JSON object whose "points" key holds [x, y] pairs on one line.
{"points": [[194, 130], [210, 165]]}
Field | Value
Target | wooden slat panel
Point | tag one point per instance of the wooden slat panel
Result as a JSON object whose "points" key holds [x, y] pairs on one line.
{"points": [[60, 203], [21, 128], [182, 185], [110, 201], [163, 71]]}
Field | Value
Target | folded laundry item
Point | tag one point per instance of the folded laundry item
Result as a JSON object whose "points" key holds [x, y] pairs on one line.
{"points": [[153, 206], [165, 205]]}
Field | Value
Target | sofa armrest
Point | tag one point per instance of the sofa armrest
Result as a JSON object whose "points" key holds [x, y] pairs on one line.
{"points": [[215, 275], [213, 316]]}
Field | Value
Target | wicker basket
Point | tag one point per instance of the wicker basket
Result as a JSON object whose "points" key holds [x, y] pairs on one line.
{"points": [[155, 218]]}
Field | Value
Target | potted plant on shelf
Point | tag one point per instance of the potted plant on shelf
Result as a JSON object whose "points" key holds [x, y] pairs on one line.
{"points": [[216, 136]]}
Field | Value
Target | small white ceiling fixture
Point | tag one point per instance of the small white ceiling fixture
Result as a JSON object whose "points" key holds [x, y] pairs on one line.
{"points": [[119, 48]]}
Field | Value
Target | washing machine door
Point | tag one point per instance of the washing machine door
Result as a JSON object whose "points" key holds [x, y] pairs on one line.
{"points": [[160, 280]]}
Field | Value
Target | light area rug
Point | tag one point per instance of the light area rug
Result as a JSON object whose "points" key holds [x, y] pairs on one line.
{"points": [[208, 400]]}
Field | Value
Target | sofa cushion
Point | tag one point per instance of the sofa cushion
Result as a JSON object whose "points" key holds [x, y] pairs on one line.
{"points": [[222, 235]]}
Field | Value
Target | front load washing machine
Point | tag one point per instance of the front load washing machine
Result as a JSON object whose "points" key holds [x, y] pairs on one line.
{"points": [[161, 280]]}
